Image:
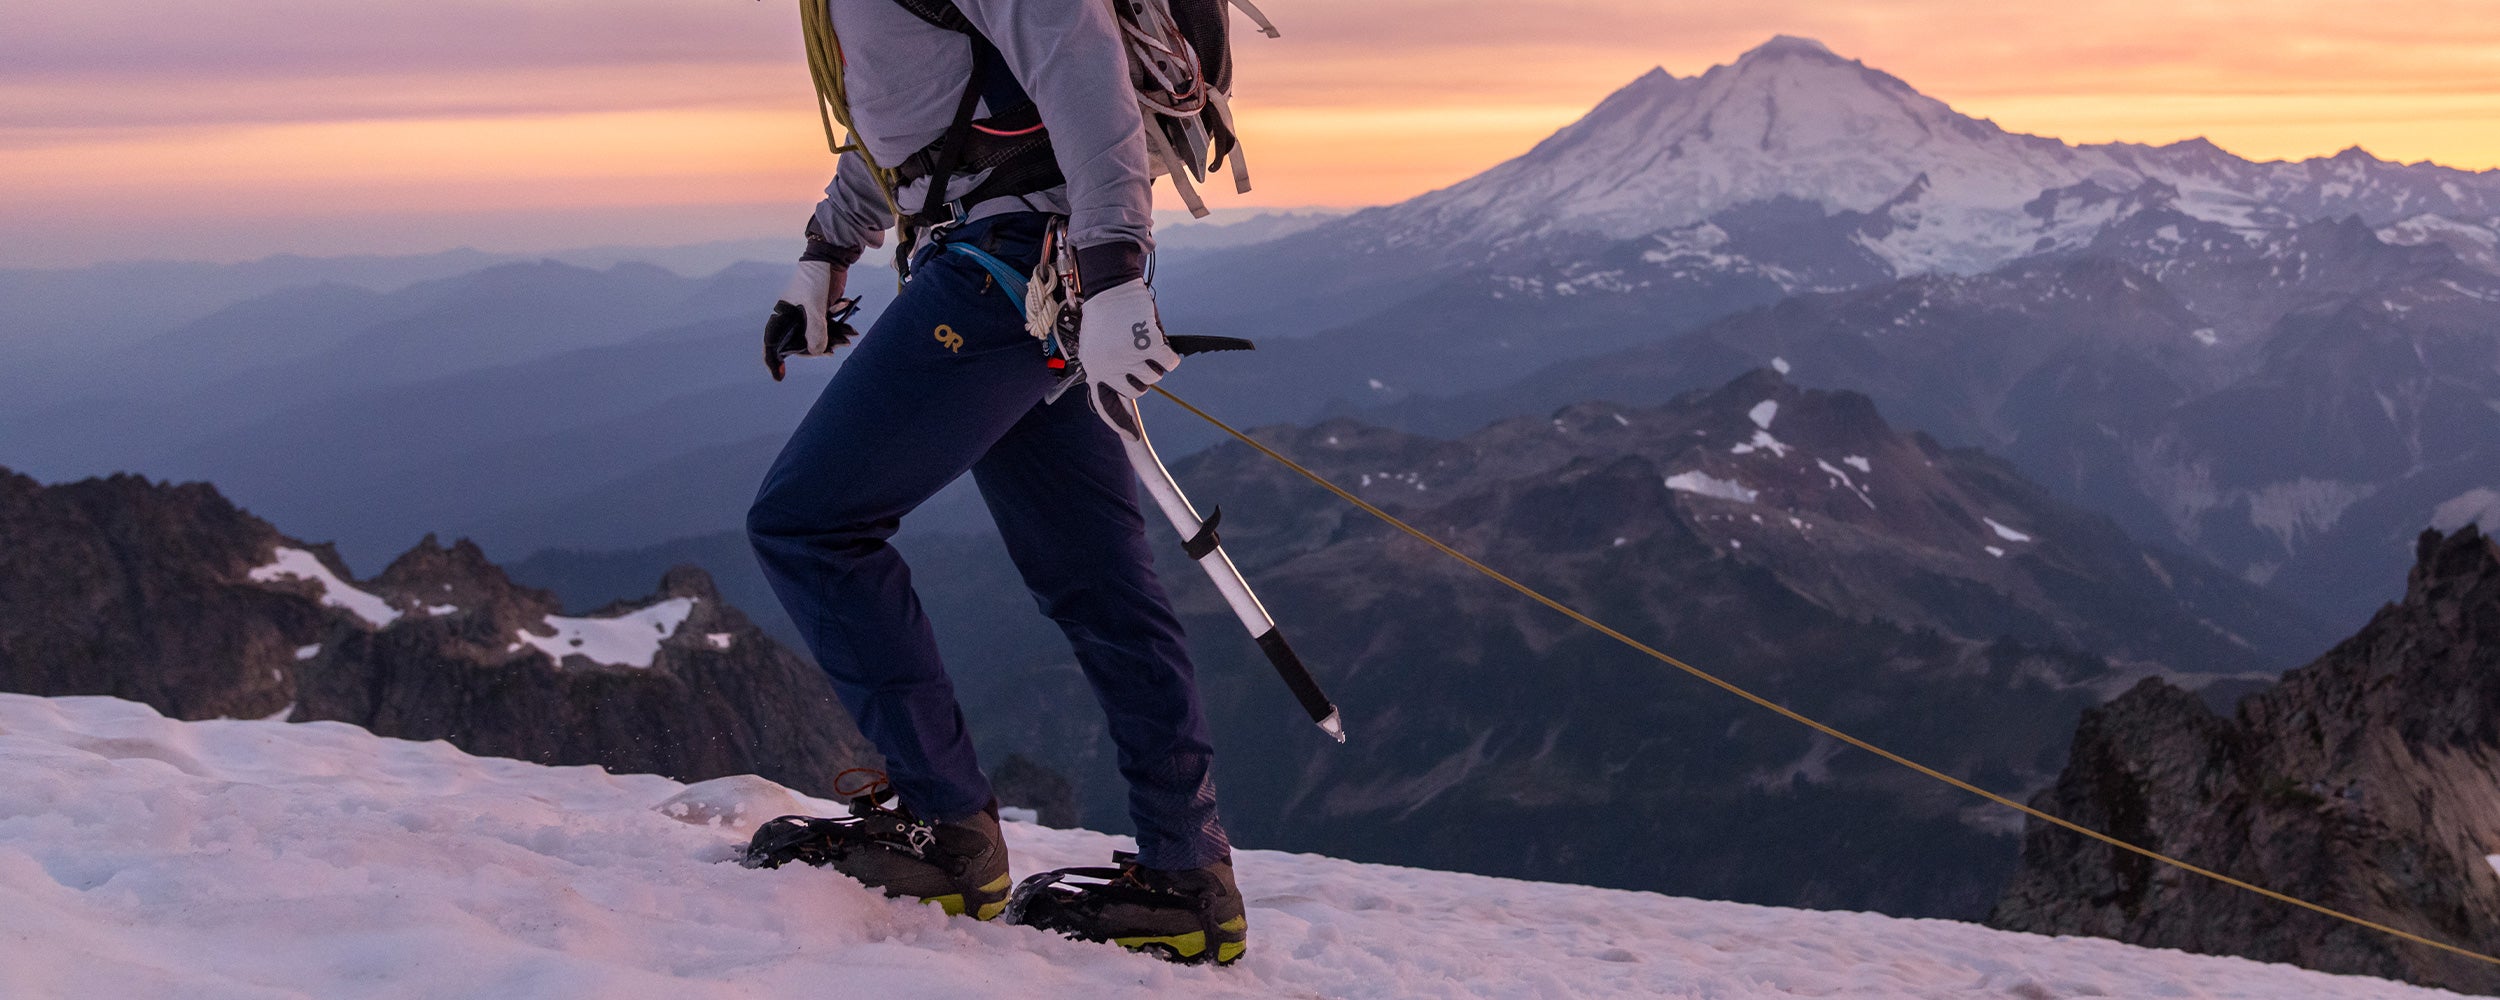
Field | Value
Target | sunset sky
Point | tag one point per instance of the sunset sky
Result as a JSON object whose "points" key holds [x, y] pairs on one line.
{"points": [[252, 127]]}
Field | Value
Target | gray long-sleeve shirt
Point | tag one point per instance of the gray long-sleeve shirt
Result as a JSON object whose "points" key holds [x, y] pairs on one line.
{"points": [[905, 76]]}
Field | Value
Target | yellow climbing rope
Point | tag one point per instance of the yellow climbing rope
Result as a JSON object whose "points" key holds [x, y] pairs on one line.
{"points": [[1794, 716], [833, 102]]}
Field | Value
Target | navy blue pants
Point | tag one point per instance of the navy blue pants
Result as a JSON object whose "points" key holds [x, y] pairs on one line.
{"points": [[947, 381]]}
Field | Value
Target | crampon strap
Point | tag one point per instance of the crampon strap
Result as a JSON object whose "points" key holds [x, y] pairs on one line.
{"points": [[820, 841], [1050, 901]]}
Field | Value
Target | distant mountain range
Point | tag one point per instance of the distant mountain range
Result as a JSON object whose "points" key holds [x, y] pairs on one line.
{"points": [[1785, 538], [518, 403], [2287, 367], [2292, 406]]}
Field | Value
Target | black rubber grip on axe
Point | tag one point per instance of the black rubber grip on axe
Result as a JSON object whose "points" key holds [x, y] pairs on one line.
{"points": [[1297, 677]]}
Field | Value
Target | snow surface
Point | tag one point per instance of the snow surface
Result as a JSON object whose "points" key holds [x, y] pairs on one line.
{"points": [[143, 857], [297, 564], [1764, 412], [2004, 532], [628, 640]]}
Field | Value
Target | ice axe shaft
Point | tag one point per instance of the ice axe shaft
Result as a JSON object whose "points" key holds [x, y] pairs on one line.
{"points": [[1199, 540]]}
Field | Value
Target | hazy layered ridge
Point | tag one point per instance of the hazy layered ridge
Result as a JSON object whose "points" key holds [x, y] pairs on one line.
{"points": [[2293, 405], [521, 397]]}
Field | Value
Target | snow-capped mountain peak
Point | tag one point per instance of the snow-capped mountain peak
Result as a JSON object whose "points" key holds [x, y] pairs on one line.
{"points": [[1781, 46], [1791, 119]]}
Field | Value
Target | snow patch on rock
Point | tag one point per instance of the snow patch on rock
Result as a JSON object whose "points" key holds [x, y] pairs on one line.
{"points": [[1840, 478], [1762, 441], [2004, 532], [297, 564], [628, 640], [1704, 484], [2480, 505]]}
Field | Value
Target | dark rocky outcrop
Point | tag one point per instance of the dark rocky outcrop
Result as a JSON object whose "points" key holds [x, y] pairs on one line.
{"points": [[1019, 781], [2368, 781], [171, 596], [125, 588]]}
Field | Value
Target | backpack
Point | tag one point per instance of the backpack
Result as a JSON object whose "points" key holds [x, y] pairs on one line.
{"points": [[1180, 59]]}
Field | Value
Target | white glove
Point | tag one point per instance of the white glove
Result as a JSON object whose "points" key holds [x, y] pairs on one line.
{"points": [[804, 321], [1121, 349]]}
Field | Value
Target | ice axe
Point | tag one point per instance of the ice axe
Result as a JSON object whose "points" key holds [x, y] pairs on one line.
{"points": [[1198, 538]]}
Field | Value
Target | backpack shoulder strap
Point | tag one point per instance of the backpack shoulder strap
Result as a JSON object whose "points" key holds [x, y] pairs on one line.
{"points": [[939, 13], [950, 149]]}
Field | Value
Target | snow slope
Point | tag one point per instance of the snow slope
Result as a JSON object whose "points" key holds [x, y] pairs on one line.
{"points": [[146, 857]]}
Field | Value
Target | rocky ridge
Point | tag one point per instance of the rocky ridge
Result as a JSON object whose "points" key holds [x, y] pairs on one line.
{"points": [[171, 596], [2362, 782]]}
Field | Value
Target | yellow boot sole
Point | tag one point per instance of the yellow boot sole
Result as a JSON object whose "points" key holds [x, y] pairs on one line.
{"points": [[989, 901], [1192, 947]]}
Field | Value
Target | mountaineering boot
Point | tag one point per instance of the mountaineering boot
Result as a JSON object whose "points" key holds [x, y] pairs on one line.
{"points": [[961, 866], [1190, 916]]}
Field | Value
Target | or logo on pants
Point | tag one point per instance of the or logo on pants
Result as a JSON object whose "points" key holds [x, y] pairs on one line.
{"points": [[947, 336]]}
